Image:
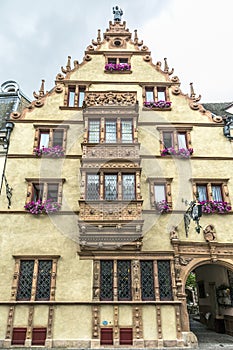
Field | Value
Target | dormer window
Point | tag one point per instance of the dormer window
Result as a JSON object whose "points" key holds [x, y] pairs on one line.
{"points": [[117, 64], [75, 95], [156, 97]]}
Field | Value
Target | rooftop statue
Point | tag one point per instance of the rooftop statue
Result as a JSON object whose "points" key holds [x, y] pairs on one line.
{"points": [[117, 13]]}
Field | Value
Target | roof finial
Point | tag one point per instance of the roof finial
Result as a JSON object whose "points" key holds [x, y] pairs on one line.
{"points": [[117, 13], [192, 93]]}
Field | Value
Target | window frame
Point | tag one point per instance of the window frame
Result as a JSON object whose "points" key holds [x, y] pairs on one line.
{"points": [[223, 183], [76, 91], [119, 185], [155, 90], [119, 130], [174, 133], [117, 57], [166, 182], [35, 275], [135, 274], [51, 130], [45, 182]]}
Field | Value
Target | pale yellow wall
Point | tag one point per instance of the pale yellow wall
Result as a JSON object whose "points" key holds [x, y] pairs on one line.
{"points": [[21, 316], [125, 316], [40, 317], [168, 322], [149, 320], [107, 314], [4, 310], [72, 322]]}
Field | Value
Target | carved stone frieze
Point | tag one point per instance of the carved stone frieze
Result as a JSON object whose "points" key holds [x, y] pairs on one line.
{"points": [[110, 211], [110, 98], [111, 152]]}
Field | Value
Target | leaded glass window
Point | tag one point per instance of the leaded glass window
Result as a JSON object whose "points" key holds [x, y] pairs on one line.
{"points": [[106, 280], [110, 131], [128, 181], [126, 131], [92, 192], [147, 280], [58, 136], [43, 280], [124, 279], [25, 280], [94, 131], [110, 187], [165, 283], [168, 139]]}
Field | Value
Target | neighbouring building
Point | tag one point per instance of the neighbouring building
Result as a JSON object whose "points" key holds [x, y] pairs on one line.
{"points": [[96, 249], [12, 100]]}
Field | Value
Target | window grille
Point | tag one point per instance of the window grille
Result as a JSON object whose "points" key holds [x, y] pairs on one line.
{"points": [[126, 131], [25, 280], [92, 187], [44, 280], [165, 283], [94, 131], [128, 186], [106, 280], [124, 279], [147, 280], [110, 189], [110, 131]]}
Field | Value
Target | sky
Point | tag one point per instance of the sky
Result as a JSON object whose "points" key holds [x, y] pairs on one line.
{"points": [[194, 35]]}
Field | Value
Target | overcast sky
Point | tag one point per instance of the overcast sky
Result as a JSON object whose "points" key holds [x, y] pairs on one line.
{"points": [[194, 35]]}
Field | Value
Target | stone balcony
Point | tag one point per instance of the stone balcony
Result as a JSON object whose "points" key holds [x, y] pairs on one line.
{"points": [[109, 151]]}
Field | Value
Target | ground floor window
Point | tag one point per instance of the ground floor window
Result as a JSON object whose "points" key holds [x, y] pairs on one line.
{"points": [[126, 336], [18, 336], [106, 336]]}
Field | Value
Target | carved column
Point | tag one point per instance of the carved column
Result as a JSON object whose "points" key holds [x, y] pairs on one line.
{"points": [[28, 340], [137, 323], [115, 296], [159, 326], [156, 281], [96, 280], [96, 322], [116, 325], [136, 283], [101, 185], [178, 324], [119, 186], [15, 280], [102, 131], [53, 280], [138, 186], [48, 342], [34, 280], [9, 327]]}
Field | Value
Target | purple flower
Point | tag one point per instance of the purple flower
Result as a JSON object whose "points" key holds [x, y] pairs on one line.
{"points": [[162, 206], [210, 207], [54, 152], [117, 67], [158, 104], [39, 207]]}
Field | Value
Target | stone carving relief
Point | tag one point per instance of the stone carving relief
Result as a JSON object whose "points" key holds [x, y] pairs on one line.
{"points": [[209, 233], [110, 98]]}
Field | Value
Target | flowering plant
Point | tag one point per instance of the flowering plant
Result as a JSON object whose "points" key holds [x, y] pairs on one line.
{"points": [[55, 151], [158, 104], [115, 66], [182, 152], [162, 206], [39, 207], [209, 207]]}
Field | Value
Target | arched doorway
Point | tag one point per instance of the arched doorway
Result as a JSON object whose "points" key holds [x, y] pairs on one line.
{"points": [[210, 296]]}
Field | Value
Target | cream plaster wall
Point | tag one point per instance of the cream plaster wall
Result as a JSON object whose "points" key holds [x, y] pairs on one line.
{"points": [[21, 316], [4, 310], [125, 315], [40, 317], [72, 322], [168, 322], [149, 320], [107, 314]]}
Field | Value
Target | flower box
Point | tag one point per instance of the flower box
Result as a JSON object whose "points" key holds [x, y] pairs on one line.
{"points": [[39, 207], [117, 67], [162, 207], [53, 152], [210, 207], [158, 105], [180, 153]]}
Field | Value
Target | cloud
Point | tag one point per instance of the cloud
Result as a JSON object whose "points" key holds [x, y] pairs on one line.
{"points": [[194, 36]]}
